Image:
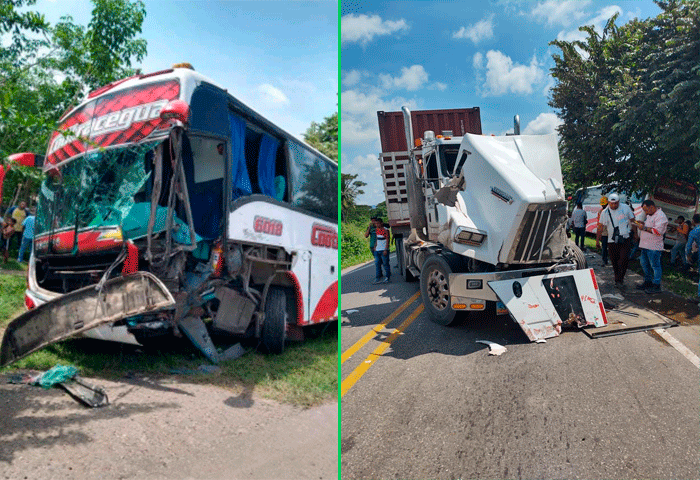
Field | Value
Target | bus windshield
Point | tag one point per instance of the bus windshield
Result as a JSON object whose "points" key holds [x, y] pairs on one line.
{"points": [[94, 190]]}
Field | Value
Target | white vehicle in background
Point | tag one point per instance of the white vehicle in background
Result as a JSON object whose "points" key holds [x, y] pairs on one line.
{"points": [[167, 202], [675, 198], [590, 198]]}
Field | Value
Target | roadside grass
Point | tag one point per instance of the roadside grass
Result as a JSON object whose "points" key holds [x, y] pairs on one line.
{"points": [[306, 374], [11, 297]]}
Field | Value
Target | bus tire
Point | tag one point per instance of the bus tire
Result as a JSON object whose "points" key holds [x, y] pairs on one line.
{"points": [[274, 328], [435, 290]]}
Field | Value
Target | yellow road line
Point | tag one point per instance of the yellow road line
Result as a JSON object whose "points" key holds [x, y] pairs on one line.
{"points": [[369, 361], [372, 333]]}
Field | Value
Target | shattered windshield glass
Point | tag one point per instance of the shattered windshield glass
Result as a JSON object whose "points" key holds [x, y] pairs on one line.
{"points": [[95, 190]]}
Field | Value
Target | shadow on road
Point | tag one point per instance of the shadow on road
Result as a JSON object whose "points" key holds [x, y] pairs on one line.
{"points": [[423, 336], [31, 418]]}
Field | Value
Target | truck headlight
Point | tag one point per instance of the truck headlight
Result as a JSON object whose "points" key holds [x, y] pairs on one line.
{"points": [[470, 237]]}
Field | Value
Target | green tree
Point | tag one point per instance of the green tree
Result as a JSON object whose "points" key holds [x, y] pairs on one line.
{"points": [[350, 188], [324, 136], [630, 100], [45, 69]]}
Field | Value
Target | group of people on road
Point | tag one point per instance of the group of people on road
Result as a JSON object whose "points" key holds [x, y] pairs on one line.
{"points": [[18, 230], [617, 230]]}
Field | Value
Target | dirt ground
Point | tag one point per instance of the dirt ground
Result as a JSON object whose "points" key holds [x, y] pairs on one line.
{"points": [[163, 429], [665, 303]]}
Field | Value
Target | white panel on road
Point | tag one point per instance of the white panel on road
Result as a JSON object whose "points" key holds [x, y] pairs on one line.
{"points": [[538, 303]]}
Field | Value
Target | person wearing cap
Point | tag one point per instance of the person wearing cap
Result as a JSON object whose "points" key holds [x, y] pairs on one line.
{"points": [[616, 218], [651, 244], [603, 244]]}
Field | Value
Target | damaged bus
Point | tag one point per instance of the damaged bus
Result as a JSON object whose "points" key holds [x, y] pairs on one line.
{"points": [[170, 207]]}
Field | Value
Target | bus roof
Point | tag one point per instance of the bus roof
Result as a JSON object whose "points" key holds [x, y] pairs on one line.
{"points": [[188, 81]]}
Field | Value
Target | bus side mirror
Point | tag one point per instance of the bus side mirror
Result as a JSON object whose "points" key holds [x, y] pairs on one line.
{"points": [[177, 110]]}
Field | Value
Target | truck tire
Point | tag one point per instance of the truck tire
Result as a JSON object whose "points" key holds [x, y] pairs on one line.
{"points": [[574, 253], [435, 290], [274, 328]]}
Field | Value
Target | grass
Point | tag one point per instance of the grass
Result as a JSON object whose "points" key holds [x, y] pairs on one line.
{"points": [[11, 297], [306, 374]]}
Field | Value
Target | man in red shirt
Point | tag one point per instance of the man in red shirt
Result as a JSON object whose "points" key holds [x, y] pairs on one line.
{"points": [[651, 244], [381, 252]]}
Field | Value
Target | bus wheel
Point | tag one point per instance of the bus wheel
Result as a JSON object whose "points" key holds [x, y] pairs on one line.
{"points": [[435, 290], [274, 329]]}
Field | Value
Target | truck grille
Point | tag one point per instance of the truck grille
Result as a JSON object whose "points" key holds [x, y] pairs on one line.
{"points": [[541, 236]]}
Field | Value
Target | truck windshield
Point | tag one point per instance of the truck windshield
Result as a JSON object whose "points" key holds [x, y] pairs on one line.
{"points": [[448, 157], [95, 190]]}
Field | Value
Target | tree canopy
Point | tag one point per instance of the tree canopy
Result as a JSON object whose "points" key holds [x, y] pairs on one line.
{"points": [[47, 68], [324, 136], [630, 100]]}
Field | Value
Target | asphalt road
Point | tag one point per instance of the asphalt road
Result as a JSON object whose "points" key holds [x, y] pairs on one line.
{"points": [[430, 402]]}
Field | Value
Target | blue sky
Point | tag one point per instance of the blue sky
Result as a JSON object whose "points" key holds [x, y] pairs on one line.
{"points": [[434, 55], [278, 57]]}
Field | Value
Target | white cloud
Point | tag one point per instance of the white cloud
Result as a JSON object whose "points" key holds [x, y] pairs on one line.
{"points": [[556, 12], [366, 167], [272, 95], [478, 60], [544, 124], [411, 79], [359, 116], [438, 86], [363, 28], [504, 76], [482, 30], [598, 23], [351, 78]]}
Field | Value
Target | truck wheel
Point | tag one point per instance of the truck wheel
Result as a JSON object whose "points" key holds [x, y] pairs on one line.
{"points": [[572, 252], [274, 328], [435, 290]]}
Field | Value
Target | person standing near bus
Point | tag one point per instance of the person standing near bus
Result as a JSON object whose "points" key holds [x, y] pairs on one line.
{"points": [[381, 253], [616, 218], [578, 220], [651, 244], [604, 235]]}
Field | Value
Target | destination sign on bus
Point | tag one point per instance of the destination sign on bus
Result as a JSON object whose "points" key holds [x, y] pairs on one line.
{"points": [[123, 117]]}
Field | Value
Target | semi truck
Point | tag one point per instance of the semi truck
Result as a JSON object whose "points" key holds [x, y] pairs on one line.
{"points": [[480, 222]]}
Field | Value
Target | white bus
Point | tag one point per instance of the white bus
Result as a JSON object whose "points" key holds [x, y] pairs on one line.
{"points": [[590, 197], [194, 212]]}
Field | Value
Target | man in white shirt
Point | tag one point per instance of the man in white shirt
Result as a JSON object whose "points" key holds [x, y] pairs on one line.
{"points": [[651, 244], [616, 217]]}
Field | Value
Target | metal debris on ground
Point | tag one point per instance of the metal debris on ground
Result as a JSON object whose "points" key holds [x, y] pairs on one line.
{"points": [[66, 377], [494, 348]]}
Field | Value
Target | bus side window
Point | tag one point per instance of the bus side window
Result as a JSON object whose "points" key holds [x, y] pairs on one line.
{"points": [[252, 149]]}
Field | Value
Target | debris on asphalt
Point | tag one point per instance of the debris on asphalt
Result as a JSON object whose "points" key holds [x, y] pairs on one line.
{"points": [[541, 340], [494, 348]]}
